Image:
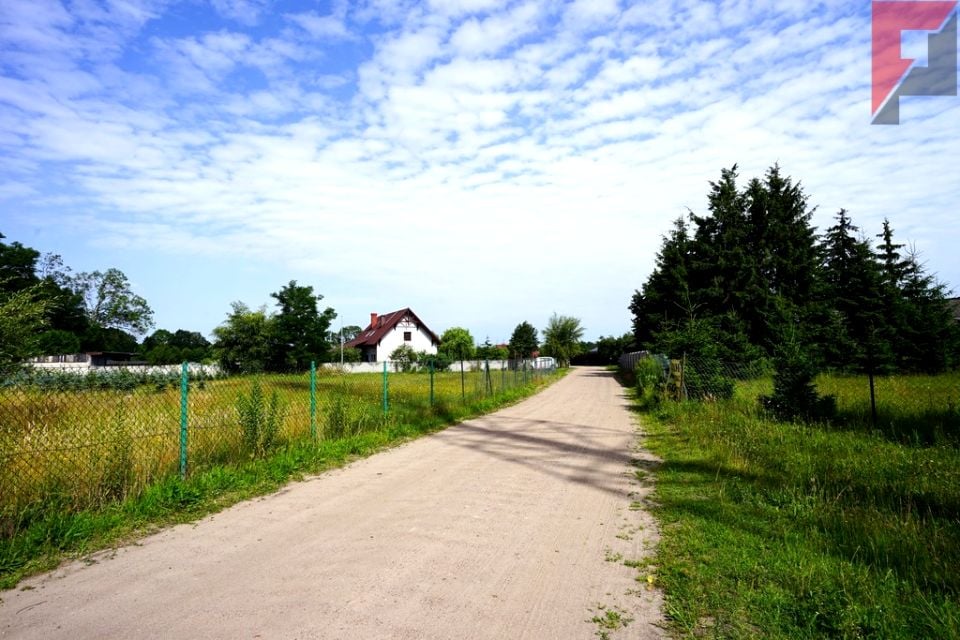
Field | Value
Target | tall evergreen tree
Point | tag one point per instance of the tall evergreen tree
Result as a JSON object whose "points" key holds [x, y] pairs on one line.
{"points": [[853, 284], [523, 342], [893, 265], [720, 260], [665, 296], [729, 284], [784, 258], [929, 337]]}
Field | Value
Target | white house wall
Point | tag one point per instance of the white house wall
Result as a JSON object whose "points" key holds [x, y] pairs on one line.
{"points": [[468, 365], [420, 341]]}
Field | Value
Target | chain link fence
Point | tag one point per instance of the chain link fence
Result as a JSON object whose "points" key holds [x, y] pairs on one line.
{"points": [[84, 440], [907, 408], [696, 378]]}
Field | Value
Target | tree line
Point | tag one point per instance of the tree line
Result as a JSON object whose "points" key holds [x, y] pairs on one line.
{"points": [[754, 274], [561, 340], [48, 309]]}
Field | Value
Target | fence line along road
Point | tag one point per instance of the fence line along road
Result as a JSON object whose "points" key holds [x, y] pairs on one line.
{"points": [[72, 442], [523, 523]]}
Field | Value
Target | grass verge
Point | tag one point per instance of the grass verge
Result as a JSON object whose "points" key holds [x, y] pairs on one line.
{"points": [[49, 532], [784, 530]]}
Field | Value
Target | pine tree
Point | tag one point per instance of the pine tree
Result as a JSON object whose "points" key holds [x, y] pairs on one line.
{"points": [[928, 337], [720, 261], [894, 267], [783, 245], [852, 279], [665, 298]]}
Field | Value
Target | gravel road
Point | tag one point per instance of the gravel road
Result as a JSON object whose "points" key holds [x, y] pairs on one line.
{"points": [[514, 525]]}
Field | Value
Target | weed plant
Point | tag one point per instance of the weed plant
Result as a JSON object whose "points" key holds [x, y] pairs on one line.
{"points": [[259, 420]]}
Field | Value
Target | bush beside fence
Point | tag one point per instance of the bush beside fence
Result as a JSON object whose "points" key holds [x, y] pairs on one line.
{"points": [[690, 377]]}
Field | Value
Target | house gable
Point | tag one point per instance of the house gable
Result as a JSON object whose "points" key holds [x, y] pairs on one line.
{"points": [[388, 331]]}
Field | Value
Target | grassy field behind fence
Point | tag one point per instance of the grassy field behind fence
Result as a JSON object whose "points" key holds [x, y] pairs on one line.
{"points": [[794, 530], [81, 449]]}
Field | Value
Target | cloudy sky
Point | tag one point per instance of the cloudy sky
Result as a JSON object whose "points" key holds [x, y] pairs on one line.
{"points": [[482, 162]]}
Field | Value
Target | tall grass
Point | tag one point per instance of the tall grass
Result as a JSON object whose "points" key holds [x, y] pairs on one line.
{"points": [[80, 468], [800, 530]]}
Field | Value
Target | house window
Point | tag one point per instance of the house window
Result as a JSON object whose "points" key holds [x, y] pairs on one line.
{"points": [[407, 336]]}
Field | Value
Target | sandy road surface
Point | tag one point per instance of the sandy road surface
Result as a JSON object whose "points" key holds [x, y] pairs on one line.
{"points": [[507, 526]]}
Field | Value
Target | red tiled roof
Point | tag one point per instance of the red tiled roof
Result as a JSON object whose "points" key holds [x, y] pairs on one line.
{"points": [[372, 335]]}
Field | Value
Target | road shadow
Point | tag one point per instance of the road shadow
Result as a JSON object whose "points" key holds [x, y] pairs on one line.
{"points": [[564, 451]]}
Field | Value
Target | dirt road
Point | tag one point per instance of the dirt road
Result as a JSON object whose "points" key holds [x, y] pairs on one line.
{"points": [[515, 525]]}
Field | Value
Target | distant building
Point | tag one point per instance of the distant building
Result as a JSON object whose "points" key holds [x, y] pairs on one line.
{"points": [[954, 304], [90, 359], [388, 331]]}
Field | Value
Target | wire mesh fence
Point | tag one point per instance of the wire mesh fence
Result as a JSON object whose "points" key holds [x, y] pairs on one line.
{"points": [[81, 440], [913, 409], [696, 378]]}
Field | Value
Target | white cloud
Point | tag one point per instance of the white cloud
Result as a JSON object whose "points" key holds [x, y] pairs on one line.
{"points": [[463, 7], [590, 14], [490, 35], [245, 12], [328, 27], [468, 138]]}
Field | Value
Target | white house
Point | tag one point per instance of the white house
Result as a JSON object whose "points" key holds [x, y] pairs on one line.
{"points": [[390, 330]]}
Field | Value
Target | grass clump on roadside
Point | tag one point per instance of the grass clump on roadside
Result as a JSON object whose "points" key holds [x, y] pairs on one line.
{"points": [[807, 530], [40, 535]]}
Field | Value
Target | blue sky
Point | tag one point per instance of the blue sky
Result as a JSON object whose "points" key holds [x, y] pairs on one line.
{"points": [[482, 162]]}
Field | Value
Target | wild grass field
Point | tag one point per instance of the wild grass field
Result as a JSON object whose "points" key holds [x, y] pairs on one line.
{"points": [[797, 530], [78, 468]]}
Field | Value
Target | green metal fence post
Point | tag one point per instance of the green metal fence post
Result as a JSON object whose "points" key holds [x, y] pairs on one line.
{"points": [[184, 386], [385, 404], [463, 388], [486, 367], [313, 400], [431, 383]]}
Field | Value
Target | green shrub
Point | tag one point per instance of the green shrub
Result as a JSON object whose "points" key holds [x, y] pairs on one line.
{"points": [[794, 392], [441, 362], [648, 373], [403, 357]]}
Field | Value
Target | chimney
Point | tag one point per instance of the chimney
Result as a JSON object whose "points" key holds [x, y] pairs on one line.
{"points": [[373, 320]]}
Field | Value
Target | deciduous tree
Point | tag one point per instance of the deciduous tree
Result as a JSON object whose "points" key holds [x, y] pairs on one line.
{"points": [[22, 317], [244, 341], [457, 344], [561, 338], [300, 328], [110, 303]]}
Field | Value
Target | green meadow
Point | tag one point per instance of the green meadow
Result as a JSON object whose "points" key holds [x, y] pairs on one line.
{"points": [[847, 529]]}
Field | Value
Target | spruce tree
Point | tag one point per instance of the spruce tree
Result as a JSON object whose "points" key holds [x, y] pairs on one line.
{"points": [[783, 246], [852, 279], [894, 266], [665, 296], [719, 257], [928, 337]]}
